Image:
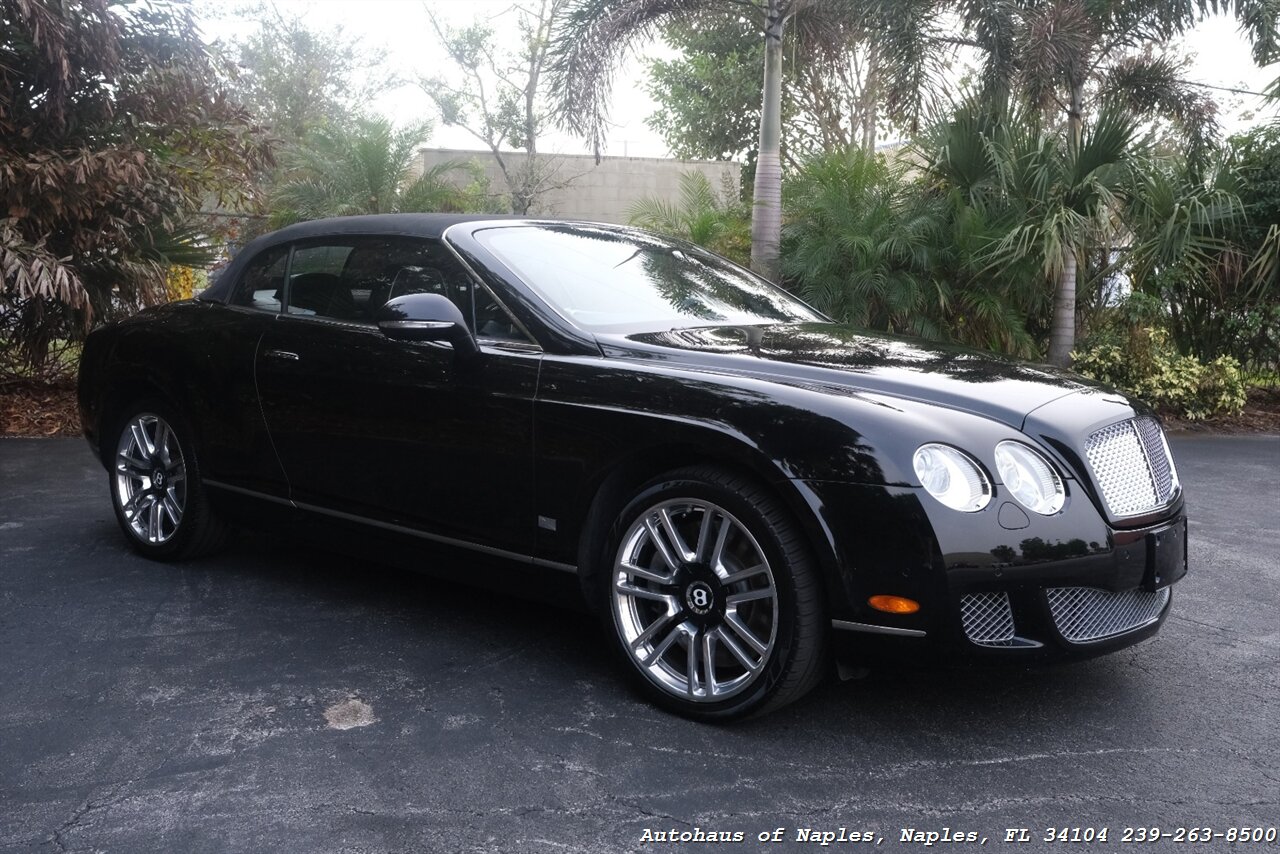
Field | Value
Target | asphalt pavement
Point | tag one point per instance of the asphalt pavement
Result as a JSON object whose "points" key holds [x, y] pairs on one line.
{"points": [[282, 698]]}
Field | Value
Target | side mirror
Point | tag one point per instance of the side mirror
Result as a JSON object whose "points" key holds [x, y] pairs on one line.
{"points": [[427, 317]]}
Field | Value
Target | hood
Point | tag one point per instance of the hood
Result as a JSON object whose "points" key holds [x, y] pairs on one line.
{"points": [[826, 353]]}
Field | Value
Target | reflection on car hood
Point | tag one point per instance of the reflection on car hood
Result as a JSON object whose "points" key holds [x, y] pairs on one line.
{"points": [[984, 383]]}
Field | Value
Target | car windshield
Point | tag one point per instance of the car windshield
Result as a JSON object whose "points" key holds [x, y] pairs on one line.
{"points": [[614, 280]]}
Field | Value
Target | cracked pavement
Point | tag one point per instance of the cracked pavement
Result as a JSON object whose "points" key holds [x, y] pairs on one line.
{"points": [[282, 697]]}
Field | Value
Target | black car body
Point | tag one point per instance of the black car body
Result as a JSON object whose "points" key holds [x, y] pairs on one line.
{"points": [[305, 379]]}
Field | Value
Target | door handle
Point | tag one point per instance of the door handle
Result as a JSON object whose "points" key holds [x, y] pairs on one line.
{"points": [[281, 354]]}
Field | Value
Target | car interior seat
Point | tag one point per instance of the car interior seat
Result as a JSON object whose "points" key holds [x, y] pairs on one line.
{"points": [[323, 294]]}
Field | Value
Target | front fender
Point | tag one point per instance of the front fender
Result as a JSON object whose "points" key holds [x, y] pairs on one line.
{"points": [[604, 426]]}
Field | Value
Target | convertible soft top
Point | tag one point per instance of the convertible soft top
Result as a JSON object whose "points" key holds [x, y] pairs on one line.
{"points": [[430, 225]]}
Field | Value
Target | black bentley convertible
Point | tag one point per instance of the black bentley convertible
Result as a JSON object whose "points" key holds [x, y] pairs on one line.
{"points": [[741, 487]]}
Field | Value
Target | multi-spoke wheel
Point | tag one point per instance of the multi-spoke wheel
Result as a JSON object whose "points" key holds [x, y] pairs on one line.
{"points": [[157, 498], [712, 596], [150, 479]]}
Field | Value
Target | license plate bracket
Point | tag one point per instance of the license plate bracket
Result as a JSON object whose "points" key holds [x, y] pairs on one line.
{"points": [[1166, 555]]}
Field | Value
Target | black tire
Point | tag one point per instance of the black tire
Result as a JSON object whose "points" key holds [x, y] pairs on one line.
{"points": [[784, 602], [197, 530]]}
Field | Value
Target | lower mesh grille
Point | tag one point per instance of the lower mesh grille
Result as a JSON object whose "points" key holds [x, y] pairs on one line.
{"points": [[987, 618], [1085, 614]]}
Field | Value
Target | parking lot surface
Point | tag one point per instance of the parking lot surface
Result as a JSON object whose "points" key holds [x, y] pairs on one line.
{"points": [[283, 698]]}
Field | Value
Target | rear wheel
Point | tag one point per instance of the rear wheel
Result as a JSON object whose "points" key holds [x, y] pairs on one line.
{"points": [[155, 487], [712, 597]]}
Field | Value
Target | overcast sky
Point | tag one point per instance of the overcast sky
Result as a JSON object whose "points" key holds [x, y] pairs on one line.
{"points": [[400, 27]]}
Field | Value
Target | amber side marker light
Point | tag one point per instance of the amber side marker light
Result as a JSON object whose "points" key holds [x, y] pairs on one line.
{"points": [[894, 604]]}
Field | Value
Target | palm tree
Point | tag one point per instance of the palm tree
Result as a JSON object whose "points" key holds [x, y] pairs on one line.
{"points": [[1059, 200], [1060, 196], [594, 34], [871, 243], [366, 168], [1067, 58]]}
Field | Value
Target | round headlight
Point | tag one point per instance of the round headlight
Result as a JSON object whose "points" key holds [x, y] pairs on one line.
{"points": [[1030, 478], [951, 476]]}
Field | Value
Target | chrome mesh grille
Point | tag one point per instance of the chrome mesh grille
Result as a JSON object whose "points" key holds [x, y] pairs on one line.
{"points": [[987, 618], [1132, 465], [1084, 614], [1157, 456]]}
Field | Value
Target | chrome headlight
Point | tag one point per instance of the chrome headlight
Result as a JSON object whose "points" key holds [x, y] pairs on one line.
{"points": [[1030, 478], [952, 476]]}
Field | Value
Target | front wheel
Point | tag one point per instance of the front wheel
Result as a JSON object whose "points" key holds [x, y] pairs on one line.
{"points": [[713, 598], [155, 487]]}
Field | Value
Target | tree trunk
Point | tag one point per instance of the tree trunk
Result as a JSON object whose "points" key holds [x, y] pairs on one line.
{"points": [[1075, 114], [1062, 335], [766, 211], [869, 99]]}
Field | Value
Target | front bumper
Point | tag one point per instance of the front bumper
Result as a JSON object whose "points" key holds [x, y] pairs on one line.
{"points": [[1064, 587]]}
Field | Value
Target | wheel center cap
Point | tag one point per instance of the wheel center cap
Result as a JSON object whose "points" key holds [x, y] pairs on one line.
{"points": [[699, 597], [157, 478]]}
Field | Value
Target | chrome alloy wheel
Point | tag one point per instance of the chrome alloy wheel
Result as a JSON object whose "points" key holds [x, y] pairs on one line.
{"points": [[694, 600], [150, 478]]}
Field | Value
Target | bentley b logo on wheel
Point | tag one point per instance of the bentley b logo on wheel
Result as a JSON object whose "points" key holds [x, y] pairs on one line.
{"points": [[699, 598]]}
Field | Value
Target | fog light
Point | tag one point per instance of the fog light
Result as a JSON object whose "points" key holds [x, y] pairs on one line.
{"points": [[894, 604]]}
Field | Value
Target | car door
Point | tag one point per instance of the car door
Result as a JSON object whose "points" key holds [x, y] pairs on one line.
{"points": [[221, 395], [398, 433]]}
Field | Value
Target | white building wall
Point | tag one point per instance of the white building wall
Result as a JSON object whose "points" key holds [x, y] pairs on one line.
{"points": [[603, 192]]}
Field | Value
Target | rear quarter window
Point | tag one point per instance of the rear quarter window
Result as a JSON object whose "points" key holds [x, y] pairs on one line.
{"points": [[262, 283]]}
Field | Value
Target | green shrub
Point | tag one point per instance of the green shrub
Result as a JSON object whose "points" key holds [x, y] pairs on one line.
{"points": [[1147, 365], [715, 221]]}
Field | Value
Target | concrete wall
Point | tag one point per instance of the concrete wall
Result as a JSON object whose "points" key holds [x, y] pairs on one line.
{"points": [[579, 188]]}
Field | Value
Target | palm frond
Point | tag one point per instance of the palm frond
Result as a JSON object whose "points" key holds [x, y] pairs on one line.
{"points": [[587, 47], [908, 35], [1057, 41], [1259, 21], [368, 167], [1154, 86], [994, 25], [1107, 143], [1179, 222], [700, 216], [184, 245]]}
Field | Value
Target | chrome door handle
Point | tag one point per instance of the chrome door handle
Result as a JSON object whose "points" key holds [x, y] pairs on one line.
{"points": [[281, 354]]}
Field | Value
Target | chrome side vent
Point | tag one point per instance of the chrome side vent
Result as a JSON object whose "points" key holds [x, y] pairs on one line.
{"points": [[1086, 614], [987, 618], [1132, 466]]}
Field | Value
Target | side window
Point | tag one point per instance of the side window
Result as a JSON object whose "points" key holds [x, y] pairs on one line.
{"points": [[492, 320], [393, 267], [261, 286], [316, 283], [350, 278]]}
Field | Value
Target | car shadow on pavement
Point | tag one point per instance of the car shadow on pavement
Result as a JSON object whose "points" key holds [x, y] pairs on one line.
{"points": [[543, 625]]}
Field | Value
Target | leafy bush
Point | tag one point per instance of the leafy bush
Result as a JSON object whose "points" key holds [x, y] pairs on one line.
{"points": [[183, 282], [715, 221], [113, 133], [1147, 365], [870, 244], [1215, 250], [855, 248], [367, 167]]}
